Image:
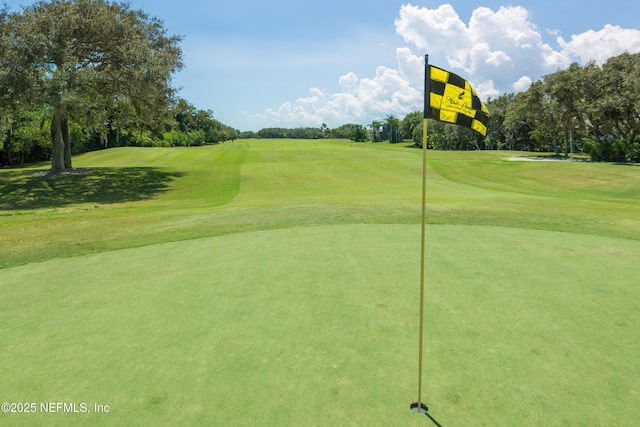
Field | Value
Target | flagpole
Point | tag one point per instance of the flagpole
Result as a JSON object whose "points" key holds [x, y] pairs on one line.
{"points": [[420, 407]]}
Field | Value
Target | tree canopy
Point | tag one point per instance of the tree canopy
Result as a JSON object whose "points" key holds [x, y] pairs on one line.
{"points": [[596, 108], [93, 58]]}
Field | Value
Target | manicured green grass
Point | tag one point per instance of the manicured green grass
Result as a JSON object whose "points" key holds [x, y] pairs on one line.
{"points": [[169, 194], [276, 283]]}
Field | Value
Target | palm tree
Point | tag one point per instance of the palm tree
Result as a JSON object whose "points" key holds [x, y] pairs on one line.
{"points": [[375, 130], [392, 124]]}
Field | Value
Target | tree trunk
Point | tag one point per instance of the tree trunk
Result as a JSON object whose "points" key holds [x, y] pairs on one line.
{"points": [[64, 127], [57, 140], [632, 138], [6, 151], [594, 129], [571, 139]]}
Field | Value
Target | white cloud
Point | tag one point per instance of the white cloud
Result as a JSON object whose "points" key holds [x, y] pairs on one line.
{"points": [[498, 46], [411, 67], [522, 84], [360, 100], [434, 29], [498, 51], [348, 81], [497, 58], [487, 90], [601, 45]]}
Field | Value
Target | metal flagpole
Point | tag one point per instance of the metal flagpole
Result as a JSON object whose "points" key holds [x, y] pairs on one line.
{"points": [[419, 407]]}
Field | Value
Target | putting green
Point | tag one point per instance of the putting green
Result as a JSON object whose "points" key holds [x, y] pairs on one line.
{"points": [[319, 326]]}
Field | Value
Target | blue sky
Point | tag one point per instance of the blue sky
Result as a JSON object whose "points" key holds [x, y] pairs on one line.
{"points": [[292, 63]]}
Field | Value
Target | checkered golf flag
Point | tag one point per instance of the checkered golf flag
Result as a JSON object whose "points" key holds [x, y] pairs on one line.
{"points": [[453, 100]]}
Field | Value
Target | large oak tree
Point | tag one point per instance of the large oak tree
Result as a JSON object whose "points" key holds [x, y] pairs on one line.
{"points": [[83, 57]]}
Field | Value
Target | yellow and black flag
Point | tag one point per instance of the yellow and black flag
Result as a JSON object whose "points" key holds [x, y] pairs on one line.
{"points": [[453, 100]]}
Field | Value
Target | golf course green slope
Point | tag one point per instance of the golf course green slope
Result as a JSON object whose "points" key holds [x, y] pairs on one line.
{"points": [[277, 283]]}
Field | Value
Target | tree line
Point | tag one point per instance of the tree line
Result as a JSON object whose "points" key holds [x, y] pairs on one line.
{"points": [[25, 132], [378, 130], [591, 109]]}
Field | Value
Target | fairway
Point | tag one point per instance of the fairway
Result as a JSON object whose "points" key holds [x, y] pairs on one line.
{"points": [[277, 283]]}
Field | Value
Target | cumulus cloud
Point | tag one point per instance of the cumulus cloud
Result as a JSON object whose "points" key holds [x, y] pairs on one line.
{"points": [[428, 28], [522, 84], [348, 81], [494, 47], [360, 100], [410, 66], [498, 51], [601, 45]]}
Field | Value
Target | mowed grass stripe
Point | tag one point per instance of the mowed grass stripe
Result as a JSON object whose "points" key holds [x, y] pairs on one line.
{"points": [[320, 172], [206, 176], [255, 184]]}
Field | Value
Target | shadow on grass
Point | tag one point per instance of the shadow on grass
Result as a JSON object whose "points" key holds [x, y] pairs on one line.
{"points": [[433, 420], [29, 189]]}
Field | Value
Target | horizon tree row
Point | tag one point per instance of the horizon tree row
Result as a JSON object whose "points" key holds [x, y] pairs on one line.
{"points": [[25, 135], [387, 130], [588, 109]]}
